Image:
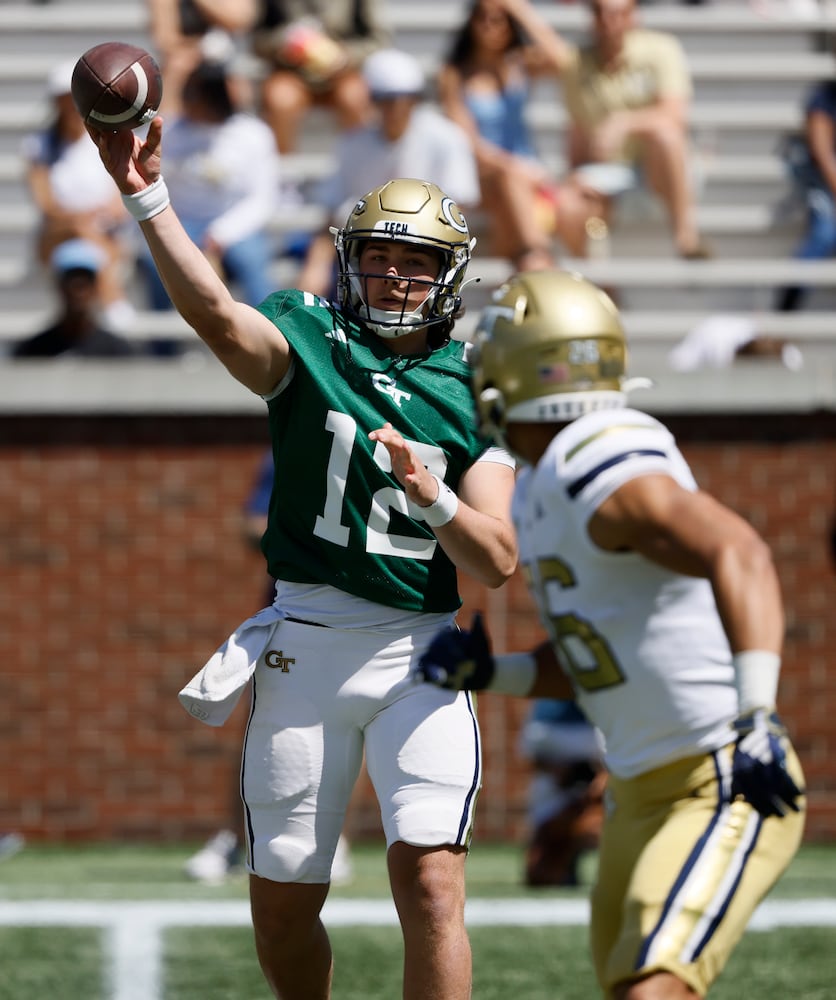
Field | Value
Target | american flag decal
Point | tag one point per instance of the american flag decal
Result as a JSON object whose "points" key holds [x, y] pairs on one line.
{"points": [[553, 374]]}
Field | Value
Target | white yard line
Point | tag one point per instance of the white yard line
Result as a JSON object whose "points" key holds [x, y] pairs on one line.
{"points": [[135, 941], [134, 957]]}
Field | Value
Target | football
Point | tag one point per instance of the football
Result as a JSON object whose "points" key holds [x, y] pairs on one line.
{"points": [[117, 86]]}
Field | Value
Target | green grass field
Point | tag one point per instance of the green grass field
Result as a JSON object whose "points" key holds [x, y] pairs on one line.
{"points": [[218, 962]]}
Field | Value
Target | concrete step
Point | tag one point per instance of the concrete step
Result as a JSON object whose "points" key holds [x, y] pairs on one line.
{"points": [[675, 273], [724, 19], [653, 329], [721, 184], [197, 384], [63, 30], [751, 115], [763, 67], [755, 219], [651, 285]]}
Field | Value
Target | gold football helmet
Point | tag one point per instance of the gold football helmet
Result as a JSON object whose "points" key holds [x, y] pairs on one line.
{"points": [[549, 348], [411, 211]]}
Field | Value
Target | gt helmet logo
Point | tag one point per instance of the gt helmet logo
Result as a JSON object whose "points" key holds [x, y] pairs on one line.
{"points": [[453, 215]]}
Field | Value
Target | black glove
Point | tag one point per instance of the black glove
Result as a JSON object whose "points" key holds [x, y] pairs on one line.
{"points": [[759, 767], [458, 660]]}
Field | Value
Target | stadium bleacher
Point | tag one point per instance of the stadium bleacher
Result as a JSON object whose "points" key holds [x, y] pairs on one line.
{"points": [[750, 75]]}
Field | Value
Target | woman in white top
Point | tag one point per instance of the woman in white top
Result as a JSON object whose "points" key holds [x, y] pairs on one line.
{"points": [[72, 193]]}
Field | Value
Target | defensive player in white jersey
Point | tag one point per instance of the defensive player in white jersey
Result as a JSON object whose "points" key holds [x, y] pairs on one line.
{"points": [[666, 624], [386, 490]]}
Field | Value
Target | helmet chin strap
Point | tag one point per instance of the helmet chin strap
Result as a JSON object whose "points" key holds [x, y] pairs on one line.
{"points": [[389, 325]]}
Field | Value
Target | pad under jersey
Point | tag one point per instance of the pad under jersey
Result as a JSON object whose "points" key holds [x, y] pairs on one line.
{"points": [[338, 515], [651, 664]]}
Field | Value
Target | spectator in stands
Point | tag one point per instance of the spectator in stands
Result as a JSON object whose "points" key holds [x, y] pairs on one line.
{"points": [[484, 85], [812, 160], [188, 32], [409, 138], [627, 94], [11, 843], [222, 171], [314, 50], [566, 791], [74, 198], [719, 340], [77, 330]]}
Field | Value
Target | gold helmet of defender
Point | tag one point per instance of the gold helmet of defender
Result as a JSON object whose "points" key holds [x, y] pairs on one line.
{"points": [[549, 348]]}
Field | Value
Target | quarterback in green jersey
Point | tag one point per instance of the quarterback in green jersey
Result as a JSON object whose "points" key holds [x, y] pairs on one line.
{"points": [[385, 490]]}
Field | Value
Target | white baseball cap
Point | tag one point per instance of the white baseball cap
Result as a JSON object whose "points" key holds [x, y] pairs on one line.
{"points": [[77, 255], [393, 73], [59, 79]]}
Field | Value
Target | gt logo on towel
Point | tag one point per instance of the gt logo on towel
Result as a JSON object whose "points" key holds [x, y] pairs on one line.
{"points": [[274, 658]]}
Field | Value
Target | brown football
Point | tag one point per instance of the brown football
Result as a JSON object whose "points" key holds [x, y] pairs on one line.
{"points": [[117, 86]]}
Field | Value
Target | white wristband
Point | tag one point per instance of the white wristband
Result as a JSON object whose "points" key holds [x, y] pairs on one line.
{"points": [[148, 202], [443, 509], [514, 673], [756, 677]]}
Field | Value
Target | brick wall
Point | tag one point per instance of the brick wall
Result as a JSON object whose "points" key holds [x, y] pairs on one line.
{"points": [[123, 567]]}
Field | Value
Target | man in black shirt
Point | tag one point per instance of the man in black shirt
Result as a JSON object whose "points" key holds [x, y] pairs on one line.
{"points": [[77, 331]]}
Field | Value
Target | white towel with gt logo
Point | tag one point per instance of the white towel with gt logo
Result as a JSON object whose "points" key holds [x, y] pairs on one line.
{"points": [[213, 692]]}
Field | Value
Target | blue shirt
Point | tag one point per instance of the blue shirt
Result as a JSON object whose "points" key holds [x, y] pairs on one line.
{"points": [[500, 119]]}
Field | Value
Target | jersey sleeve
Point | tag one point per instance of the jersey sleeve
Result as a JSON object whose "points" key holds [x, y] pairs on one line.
{"points": [[499, 456], [597, 460]]}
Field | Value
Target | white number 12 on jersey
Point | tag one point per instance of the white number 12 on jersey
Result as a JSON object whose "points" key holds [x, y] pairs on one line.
{"points": [[378, 537]]}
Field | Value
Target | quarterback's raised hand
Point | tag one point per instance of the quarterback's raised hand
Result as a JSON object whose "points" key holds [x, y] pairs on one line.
{"points": [[759, 771], [133, 162], [458, 660]]}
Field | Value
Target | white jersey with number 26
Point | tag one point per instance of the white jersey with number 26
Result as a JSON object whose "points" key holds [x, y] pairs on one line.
{"points": [[649, 659]]}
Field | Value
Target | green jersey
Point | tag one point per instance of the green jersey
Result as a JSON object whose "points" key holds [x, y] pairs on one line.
{"points": [[338, 515]]}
